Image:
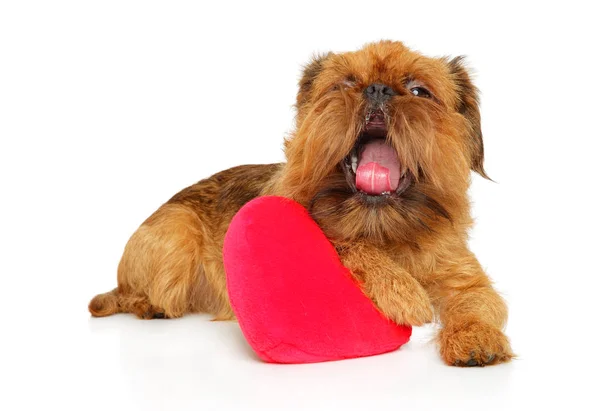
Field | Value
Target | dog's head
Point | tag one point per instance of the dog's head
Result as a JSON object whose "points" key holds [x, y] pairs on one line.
{"points": [[384, 143]]}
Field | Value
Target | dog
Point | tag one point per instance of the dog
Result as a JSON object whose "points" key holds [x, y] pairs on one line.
{"points": [[381, 155]]}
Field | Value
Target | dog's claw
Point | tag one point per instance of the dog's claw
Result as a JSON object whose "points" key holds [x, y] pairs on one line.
{"points": [[471, 363], [152, 314]]}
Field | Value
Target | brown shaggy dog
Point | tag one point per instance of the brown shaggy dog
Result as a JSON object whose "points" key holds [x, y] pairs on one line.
{"points": [[381, 156]]}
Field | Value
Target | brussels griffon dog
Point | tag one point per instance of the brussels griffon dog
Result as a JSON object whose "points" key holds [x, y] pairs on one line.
{"points": [[381, 155]]}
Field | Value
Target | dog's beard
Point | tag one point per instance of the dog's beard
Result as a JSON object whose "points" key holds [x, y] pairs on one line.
{"points": [[413, 208], [347, 214]]}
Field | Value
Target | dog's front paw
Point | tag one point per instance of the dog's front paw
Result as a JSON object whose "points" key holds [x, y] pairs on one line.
{"points": [[473, 343], [406, 308]]}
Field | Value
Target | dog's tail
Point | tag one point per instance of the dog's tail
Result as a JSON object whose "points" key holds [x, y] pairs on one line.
{"points": [[105, 304]]}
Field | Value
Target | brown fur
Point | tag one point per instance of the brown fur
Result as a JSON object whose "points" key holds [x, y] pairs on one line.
{"points": [[409, 252]]}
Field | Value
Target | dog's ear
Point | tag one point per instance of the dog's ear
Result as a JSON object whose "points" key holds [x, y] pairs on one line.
{"points": [[468, 106], [309, 74]]}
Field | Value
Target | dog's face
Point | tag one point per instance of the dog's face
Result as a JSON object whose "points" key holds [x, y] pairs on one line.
{"points": [[384, 144]]}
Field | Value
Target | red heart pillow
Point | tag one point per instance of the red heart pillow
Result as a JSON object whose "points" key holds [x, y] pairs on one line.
{"points": [[293, 298]]}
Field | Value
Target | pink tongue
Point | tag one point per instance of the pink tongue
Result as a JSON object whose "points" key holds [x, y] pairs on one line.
{"points": [[378, 168]]}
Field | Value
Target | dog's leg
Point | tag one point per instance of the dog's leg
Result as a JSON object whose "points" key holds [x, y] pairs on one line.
{"points": [[393, 290], [161, 268], [123, 300], [471, 312]]}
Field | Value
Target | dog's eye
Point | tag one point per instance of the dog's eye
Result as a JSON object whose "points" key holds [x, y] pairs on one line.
{"points": [[349, 81], [420, 92]]}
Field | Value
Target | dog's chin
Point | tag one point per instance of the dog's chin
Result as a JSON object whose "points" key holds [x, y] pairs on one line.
{"points": [[372, 169]]}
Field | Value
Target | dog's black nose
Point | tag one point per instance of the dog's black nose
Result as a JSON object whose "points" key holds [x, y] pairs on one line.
{"points": [[378, 93]]}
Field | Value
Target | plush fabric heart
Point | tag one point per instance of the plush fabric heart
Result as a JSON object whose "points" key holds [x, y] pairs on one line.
{"points": [[293, 298]]}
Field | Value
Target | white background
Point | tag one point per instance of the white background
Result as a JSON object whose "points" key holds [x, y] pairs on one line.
{"points": [[109, 108]]}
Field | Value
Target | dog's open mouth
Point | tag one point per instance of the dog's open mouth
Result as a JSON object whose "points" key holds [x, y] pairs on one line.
{"points": [[373, 167]]}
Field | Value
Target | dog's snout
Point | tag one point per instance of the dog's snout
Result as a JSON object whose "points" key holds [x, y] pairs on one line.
{"points": [[379, 93]]}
